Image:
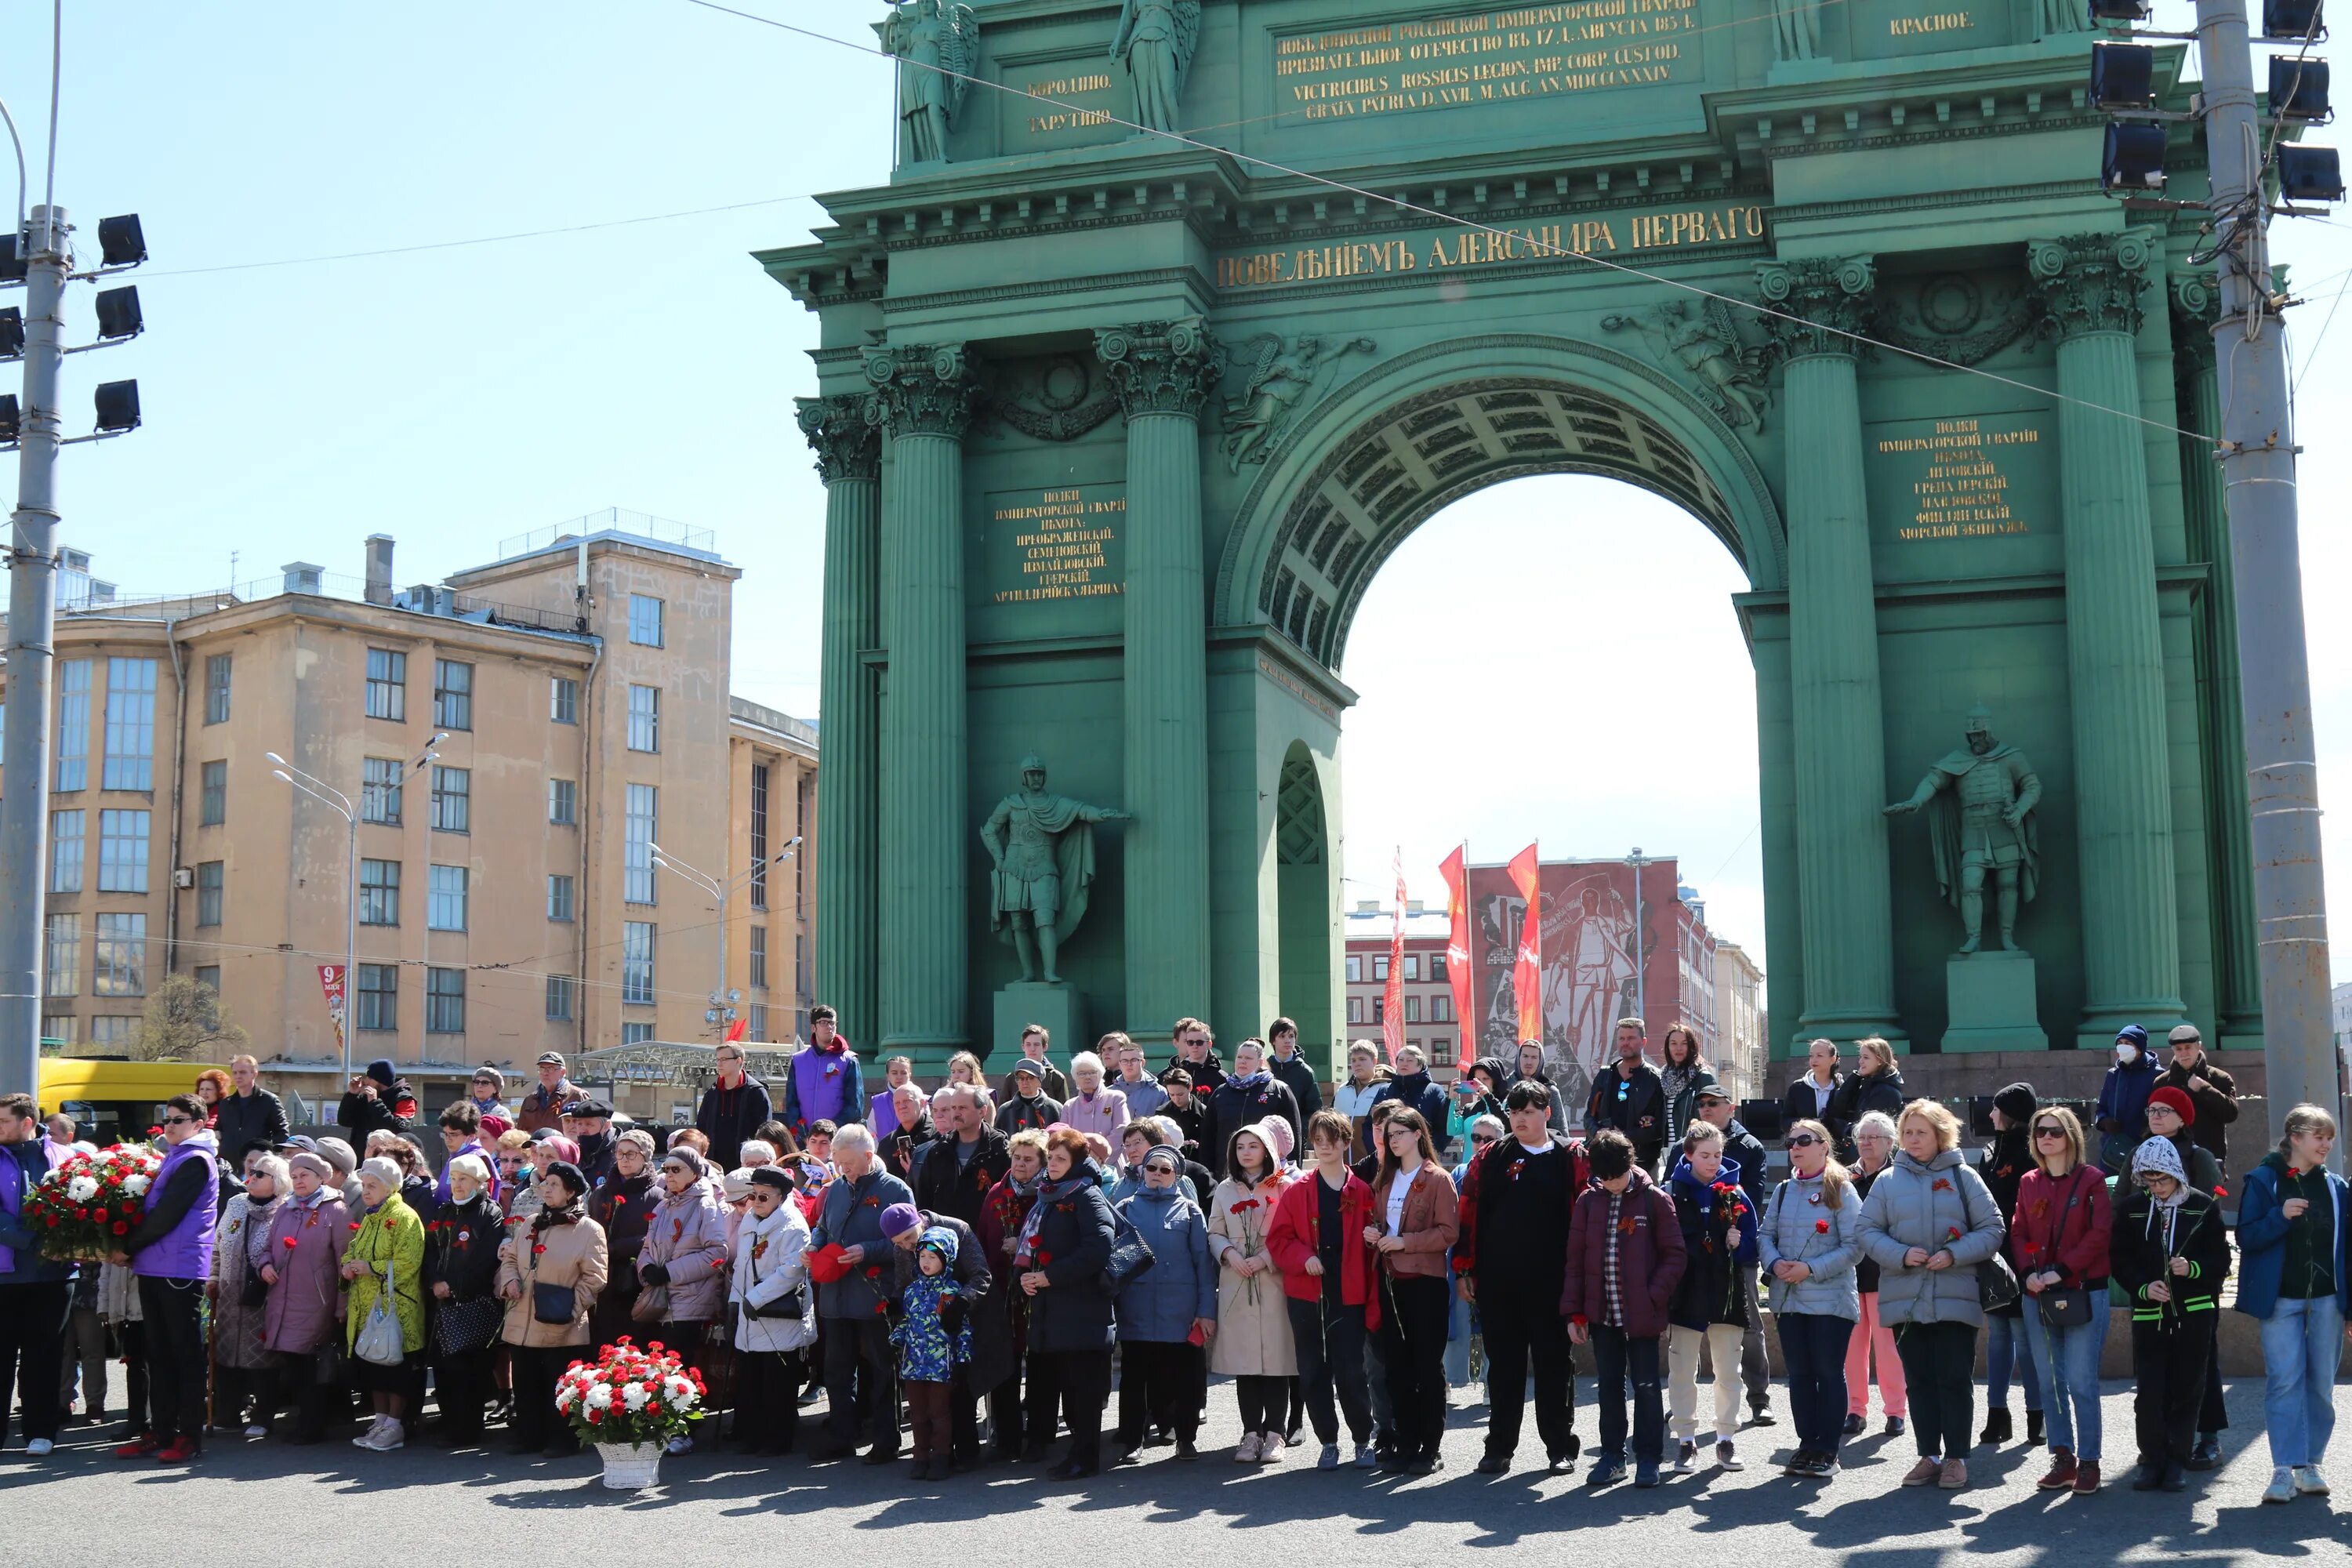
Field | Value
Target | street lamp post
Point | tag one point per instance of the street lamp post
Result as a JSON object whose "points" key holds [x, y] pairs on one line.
{"points": [[722, 1010], [336, 800], [1640, 862]]}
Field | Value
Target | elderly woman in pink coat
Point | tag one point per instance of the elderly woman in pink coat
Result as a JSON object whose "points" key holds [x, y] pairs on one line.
{"points": [[303, 1317], [685, 1259], [1094, 1107]]}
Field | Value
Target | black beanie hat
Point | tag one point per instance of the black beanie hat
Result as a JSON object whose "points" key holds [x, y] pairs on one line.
{"points": [[2017, 1103]]}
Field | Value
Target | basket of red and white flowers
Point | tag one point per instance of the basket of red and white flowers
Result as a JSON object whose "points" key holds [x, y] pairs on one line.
{"points": [[629, 1402], [91, 1201]]}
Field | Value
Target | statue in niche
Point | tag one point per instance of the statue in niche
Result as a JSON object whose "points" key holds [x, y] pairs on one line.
{"points": [[1980, 802], [1796, 29], [1043, 847], [938, 46], [1707, 345], [1155, 41], [1281, 380], [2060, 16]]}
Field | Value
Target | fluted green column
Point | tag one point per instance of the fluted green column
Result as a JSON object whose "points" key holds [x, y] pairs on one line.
{"points": [[1841, 765], [926, 396], [1163, 372], [2091, 285], [847, 435]]}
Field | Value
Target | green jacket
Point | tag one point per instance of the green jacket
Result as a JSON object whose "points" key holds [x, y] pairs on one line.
{"points": [[393, 1236]]}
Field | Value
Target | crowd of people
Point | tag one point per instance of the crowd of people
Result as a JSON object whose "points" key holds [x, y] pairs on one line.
{"points": [[970, 1272]]}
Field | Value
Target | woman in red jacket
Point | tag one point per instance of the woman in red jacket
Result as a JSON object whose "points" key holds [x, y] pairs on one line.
{"points": [[2059, 1237], [1316, 1240]]}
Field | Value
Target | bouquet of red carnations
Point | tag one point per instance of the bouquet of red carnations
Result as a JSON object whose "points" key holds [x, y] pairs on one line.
{"points": [[630, 1395], [84, 1208]]}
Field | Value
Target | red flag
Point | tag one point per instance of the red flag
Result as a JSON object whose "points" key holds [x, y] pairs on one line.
{"points": [[1525, 976], [1392, 1000], [736, 1030], [1457, 952]]}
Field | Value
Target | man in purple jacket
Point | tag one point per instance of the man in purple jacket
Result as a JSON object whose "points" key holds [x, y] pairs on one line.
{"points": [[171, 1251], [824, 1082]]}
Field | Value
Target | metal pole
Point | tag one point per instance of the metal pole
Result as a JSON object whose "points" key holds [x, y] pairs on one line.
{"points": [[32, 628], [725, 1012], [2257, 459], [1641, 955], [351, 942]]}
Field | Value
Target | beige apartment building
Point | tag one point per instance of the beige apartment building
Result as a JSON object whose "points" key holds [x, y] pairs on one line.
{"points": [[1742, 1029], [513, 744]]}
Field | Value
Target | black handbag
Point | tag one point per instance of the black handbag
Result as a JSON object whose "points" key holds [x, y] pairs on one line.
{"points": [[459, 1327], [2067, 1306], [792, 1304], [554, 1304], [256, 1290], [1997, 1284], [1132, 1259], [328, 1371]]}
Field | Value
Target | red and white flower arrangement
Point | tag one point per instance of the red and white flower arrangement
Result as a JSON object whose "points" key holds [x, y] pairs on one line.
{"points": [[630, 1395], [86, 1207]]}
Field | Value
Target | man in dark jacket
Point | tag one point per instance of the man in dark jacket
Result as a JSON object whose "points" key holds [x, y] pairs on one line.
{"points": [[1196, 1053], [1187, 1111], [1632, 1098], [2213, 1092], [732, 1107], [378, 1099], [1743, 1149], [1626, 1257], [251, 1114], [967, 1158], [1412, 1089], [904, 1145], [589, 1123], [861, 1386], [1035, 1040], [1520, 1198], [1295, 1072], [1247, 1097]]}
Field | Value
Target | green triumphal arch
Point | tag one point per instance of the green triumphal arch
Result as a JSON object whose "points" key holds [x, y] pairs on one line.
{"points": [[1117, 427]]}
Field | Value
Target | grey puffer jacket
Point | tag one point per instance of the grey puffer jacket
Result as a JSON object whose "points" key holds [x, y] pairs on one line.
{"points": [[1792, 1230], [1941, 1205]]}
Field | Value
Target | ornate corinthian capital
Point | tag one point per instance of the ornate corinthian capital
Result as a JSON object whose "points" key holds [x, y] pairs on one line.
{"points": [[924, 390], [2090, 282], [1819, 300], [1161, 367], [845, 432]]}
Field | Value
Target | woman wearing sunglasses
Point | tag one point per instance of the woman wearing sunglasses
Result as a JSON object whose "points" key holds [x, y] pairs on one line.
{"points": [[682, 1266], [1808, 1241], [2059, 1240]]}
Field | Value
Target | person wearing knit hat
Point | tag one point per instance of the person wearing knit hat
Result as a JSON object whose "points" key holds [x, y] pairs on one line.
{"points": [[2003, 1165], [682, 1264], [773, 1316], [2171, 1116], [303, 1160], [377, 1099], [932, 1337], [1167, 1313], [2122, 1115], [558, 1252], [1253, 1344], [300, 1323], [2170, 1254], [901, 1218]]}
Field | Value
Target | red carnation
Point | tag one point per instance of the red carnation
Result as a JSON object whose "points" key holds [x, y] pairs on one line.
{"points": [[537, 1247], [1820, 1228], [289, 1243], [1952, 1233], [121, 1228], [155, 1132]]}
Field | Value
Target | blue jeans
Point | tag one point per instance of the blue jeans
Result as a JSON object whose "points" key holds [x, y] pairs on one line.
{"points": [[1813, 1345], [2067, 1362], [2302, 1342], [2006, 1356]]}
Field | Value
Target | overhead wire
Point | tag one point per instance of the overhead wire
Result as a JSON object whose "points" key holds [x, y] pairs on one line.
{"points": [[1435, 214]]}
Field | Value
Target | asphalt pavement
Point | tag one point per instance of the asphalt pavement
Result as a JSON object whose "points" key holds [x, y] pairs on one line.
{"points": [[265, 1503]]}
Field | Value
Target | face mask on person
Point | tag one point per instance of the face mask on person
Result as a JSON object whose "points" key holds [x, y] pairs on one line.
{"points": [[2126, 1054]]}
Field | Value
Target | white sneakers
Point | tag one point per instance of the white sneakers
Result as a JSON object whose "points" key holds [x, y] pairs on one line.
{"points": [[2282, 1487], [2309, 1481], [1270, 1447], [383, 1437], [1250, 1450]]}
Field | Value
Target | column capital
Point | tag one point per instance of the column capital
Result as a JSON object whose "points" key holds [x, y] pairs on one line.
{"points": [[845, 432], [924, 389], [1829, 297], [2090, 282], [1161, 367]]}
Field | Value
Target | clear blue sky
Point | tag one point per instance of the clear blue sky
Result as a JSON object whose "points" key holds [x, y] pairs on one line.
{"points": [[452, 398]]}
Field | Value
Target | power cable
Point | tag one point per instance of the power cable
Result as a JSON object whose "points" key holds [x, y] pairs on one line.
{"points": [[1401, 205]]}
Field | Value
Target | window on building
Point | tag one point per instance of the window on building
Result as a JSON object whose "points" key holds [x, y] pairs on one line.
{"points": [[1441, 1009], [129, 723], [1412, 966], [73, 724], [379, 892], [639, 823], [376, 1001], [635, 1034], [209, 977], [121, 950], [453, 799], [445, 898], [387, 685], [559, 988], [1381, 967], [756, 1021], [61, 955], [1437, 966], [758, 957], [122, 851], [210, 886], [1355, 1009], [216, 689], [380, 783], [453, 695], [111, 1031], [638, 962], [645, 717], [563, 801], [1412, 1009], [213, 795], [445, 1000], [1380, 1009], [559, 898], [1355, 969], [66, 829], [60, 1029], [564, 699], [644, 620], [758, 836]]}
